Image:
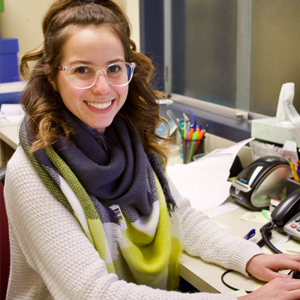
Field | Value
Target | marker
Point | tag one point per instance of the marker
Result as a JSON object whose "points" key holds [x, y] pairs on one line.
{"points": [[184, 128], [190, 134], [188, 127], [250, 234], [266, 214], [200, 136], [296, 177], [193, 145]]}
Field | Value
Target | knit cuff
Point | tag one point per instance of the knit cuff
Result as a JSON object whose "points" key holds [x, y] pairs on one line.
{"points": [[242, 255]]}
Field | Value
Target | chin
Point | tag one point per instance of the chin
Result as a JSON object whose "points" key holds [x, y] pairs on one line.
{"points": [[100, 127]]}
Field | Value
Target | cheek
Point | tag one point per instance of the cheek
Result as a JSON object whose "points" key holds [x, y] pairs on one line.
{"points": [[69, 95], [65, 89], [124, 92]]}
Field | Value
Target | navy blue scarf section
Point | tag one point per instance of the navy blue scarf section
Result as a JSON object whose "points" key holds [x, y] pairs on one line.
{"points": [[113, 167]]}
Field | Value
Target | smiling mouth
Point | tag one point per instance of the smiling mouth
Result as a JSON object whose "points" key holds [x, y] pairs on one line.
{"points": [[99, 105]]}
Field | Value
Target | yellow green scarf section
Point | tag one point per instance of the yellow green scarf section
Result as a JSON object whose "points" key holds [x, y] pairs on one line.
{"points": [[152, 260]]}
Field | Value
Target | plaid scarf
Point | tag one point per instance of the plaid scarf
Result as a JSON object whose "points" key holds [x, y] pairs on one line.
{"points": [[119, 196]]}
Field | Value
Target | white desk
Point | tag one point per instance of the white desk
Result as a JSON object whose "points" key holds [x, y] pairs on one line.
{"points": [[206, 277], [9, 136]]}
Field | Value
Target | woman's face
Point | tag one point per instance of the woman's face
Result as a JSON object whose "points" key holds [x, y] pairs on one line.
{"points": [[97, 105]]}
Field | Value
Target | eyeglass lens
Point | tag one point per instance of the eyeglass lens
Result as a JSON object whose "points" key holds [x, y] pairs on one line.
{"points": [[84, 76]]}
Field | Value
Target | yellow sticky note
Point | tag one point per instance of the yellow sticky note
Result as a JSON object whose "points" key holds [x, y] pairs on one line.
{"points": [[292, 246], [258, 285], [239, 293], [225, 227], [254, 216]]}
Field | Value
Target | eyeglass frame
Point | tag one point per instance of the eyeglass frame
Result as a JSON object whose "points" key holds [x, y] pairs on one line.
{"points": [[68, 68]]}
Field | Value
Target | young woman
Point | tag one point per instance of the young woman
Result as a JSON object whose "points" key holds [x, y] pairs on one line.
{"points": [[91, 213]]}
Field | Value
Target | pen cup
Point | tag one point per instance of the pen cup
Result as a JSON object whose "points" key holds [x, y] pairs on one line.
{"points": [[291, 186], [190, 148]]}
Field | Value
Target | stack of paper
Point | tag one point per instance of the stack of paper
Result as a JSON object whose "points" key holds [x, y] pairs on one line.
{"points": [[205, 181], [13, 113]]}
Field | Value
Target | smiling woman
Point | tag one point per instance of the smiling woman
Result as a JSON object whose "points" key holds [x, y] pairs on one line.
{"points": [[89, 95], [87, 191], [81, 47]]}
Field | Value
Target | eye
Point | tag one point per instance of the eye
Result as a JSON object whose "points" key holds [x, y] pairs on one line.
{"points": [[114, 68], [82, 69]]}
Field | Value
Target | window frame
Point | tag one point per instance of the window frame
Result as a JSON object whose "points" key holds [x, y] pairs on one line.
{"points": [[230, 123]]}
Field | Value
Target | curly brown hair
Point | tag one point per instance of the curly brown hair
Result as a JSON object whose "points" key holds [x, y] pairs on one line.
{"points": [[42, 103]]}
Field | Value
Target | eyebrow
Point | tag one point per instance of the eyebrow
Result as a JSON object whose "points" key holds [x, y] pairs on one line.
{"points": [[85, 62]]}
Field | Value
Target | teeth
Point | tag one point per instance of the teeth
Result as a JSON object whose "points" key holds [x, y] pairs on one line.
{"points": [[99, 105]]}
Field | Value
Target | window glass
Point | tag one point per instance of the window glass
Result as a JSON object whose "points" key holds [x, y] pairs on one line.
{"points": [[232, 52], [275, 52]]}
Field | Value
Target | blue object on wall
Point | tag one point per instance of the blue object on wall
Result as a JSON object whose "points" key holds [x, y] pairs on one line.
{"points": [[10, 98], [9, 68], [10, 92]]}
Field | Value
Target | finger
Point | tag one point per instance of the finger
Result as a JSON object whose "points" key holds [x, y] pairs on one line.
{"points": [[294, 257], [293, 284], [268, 275], [290, 264], [293, 288], [287, 261], [281, 275]]}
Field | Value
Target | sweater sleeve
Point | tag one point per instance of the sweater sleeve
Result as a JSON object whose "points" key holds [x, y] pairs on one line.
{"points": [[51, 256], [203, 238]]}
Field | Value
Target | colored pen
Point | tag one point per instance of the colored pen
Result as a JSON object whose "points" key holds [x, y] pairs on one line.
{"points": [[182, 129], [266, 214], [188, 127], [297, 168], [250, 234], [193, 145], [187, 142], [200, 136], [296, 177], [190, 134]]}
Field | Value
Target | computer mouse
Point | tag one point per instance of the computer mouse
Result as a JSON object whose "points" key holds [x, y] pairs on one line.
{"points": [[296, 274]]}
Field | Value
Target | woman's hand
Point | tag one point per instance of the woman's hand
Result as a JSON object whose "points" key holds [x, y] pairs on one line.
{"points": [[265, 267], [277, 289]]}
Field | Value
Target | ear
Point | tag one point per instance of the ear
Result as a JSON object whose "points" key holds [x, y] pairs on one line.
{"points": [[50, 78], [52, 82]]}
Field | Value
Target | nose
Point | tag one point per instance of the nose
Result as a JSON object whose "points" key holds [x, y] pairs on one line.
{"points": [[101, 85]]}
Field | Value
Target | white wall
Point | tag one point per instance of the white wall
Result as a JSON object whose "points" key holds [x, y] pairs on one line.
{"points": [[22, 19], [132, 9]]}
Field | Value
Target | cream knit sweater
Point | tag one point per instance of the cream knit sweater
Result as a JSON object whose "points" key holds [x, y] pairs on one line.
{"points": [[53, 259]]}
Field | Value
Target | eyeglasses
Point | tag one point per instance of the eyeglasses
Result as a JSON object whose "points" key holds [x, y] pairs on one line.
{"points": [[85, 76]]}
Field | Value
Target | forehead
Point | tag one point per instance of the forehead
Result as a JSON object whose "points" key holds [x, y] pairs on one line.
{"points": [[94, 44]]}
